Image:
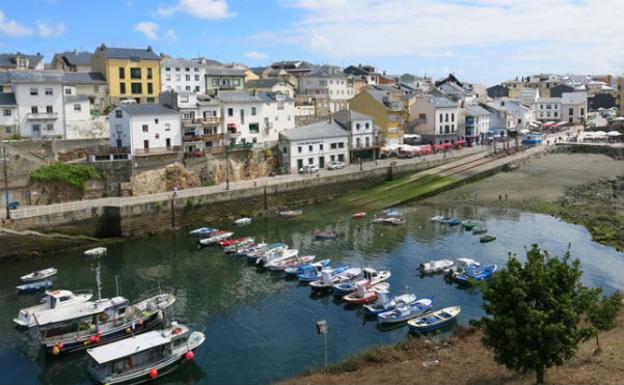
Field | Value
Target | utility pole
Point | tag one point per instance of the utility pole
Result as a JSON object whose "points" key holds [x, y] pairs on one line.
{"points": [[6, 182]]}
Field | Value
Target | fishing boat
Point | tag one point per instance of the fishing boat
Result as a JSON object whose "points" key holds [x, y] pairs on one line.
{"points": [[214, 238], [39, 275], [469, 224], [366, 293], [96, 252], [294, 270], [453, 222], [360, 215], [328, 280], [385, 303], [313, 273], [54, 300], [243, 251], [460, 267], [323, 235], [403, 312], [34, 286], [290, 213], [202, 231], [434, 320], [392, 213], [370, 275], [241, 242], [487, 238], [479, 229], [435, 267], [86, 324], [253, 255], [275, 256], [228, 242], [144, 357], [242, 221], [283, 264], [474, 273]]}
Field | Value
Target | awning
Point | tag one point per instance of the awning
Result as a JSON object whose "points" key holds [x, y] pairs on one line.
{"points": [[534, 124], [461, 142]]}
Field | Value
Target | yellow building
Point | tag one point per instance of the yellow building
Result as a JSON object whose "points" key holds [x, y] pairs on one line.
{"points": [[387, 110], [130, 73]]}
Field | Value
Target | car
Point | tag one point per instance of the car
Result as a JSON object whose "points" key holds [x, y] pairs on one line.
{"points": [[309, 169], [336, 165]]}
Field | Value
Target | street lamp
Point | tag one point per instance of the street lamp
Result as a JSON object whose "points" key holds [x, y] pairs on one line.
{"points": [[6, 182]]}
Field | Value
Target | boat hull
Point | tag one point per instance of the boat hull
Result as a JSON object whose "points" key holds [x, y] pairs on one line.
{"points": [[163, 368]]}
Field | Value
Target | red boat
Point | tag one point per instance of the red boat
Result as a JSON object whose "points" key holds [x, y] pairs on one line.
{"points": [[227, 242], [318, 234], [366, 293], [360, 215]]}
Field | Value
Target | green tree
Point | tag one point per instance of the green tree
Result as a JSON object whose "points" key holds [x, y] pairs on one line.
{"points": [[533, 312], [603, 315]]}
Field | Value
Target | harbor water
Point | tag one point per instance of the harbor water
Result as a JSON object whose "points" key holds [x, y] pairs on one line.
{"points": [[260, 327]]}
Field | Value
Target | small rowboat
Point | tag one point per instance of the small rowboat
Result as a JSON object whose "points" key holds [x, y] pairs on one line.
{"points": [[215, 237], [294, 270], [96, 252], [469, 225], [242, 221], [384, 303], [202, 231], [479, 229], [39, 275], [453, 222], [487, 238], [34, 286], [404, 312], [360, 215], [366, 294], [434, 320], [290, 213], [294, 262], [434, 267], [323, 235], [234, 247]]}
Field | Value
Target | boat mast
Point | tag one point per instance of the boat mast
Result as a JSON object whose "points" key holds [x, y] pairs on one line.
{"points": [[98, 281]]}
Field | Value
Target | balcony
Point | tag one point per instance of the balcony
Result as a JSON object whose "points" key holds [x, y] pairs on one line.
{"points": [[43, 116], [156, 151], [201, 121], [240, 147]]}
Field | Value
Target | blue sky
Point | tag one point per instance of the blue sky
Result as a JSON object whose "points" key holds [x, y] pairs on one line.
{"points": [[480, 40]]}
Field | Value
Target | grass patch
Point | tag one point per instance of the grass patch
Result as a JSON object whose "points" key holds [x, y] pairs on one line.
{"points": [[73, 174]]}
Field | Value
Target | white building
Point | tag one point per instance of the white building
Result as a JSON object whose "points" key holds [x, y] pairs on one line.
{"points": [[477, 123], [363, 134], [436, 119], [548, 109], [9, 122], [78, 120], [509, 115], [329, 83], [574, 107], [183, 75], [314, 144], [147, 128]]}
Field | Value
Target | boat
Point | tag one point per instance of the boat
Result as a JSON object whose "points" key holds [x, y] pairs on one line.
{"points": [[469, 224], [34, 286], [313, 273], [392, 213], [385, 303], [202, 231], [231, 248], [475, 273], [322, 235], [329, 279], [370, 275], [283, 264], [39, 275], [453, 222], [276, 256], [434, 320], [479, 229], [366, 293], [243, 251], [294, 270], [360, 215], [214, 238], [403, 312], [228, 242], [259, 252], [53, 301], [82, 325], [242, 221], [389, 221], [437, 266], [290, 213], [487, 238], [460, 267], [96, 252], [439, 218], [144, 357]]}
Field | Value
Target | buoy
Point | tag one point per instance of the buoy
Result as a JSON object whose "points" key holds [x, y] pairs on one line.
{"points": [[128, 330], [189, 355], [85, 343], [97, 339], [92, 339], [153, 373], [140, 322], [60, 345], [56, 350]]}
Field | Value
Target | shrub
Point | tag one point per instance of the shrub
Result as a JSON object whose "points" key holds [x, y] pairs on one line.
{"points": [[72, 174]]}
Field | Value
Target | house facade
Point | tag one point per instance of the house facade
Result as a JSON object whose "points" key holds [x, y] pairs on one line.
{"points": [[9, 121], [72, 61], [183, 75], [271, 85], [364, 142], [436, 119], [477, 124], [219, 78], [388, 110], [574, 107], [329, 83], [20, 61]]}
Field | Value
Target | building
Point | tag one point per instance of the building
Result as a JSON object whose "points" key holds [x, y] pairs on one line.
{"points": [[271, 85], [224, 79], [21, 61], [498, 91], [295, 68], [9, 121], [130, 73], [78, 121], [477, 124], [328, 83], [557, 92], [574, 107], [388, 109], [364, 72], [90, 84], [364, 142], [72, 61], [183, 75], [548, 109], [314, 144], [144, 129], [509, 116], [436, 119]]}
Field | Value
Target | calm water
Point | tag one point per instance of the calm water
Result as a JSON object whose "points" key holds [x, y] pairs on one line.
{"points": [[261, 327]]}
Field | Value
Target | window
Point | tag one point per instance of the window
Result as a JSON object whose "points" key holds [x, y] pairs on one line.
{"points": [[570, 111], [122, 73], [145, 128], [150, 88], [49, 109], [357, 142], [49, 92], [136, 88], [341, 145], [441, 118], [7, 112], [310, 160], [310, 148], [157, 136], [333, 146], [177, 69], [453, 117], [135, 73], [77, 108], [68, 91], [285, 150], [36, 128], [299, 149], [196, 77], [188, 78], [357, 126], [254, 128], [341, 157], [367, 125], [34, 92], [150, 100], [230, 112], [118, 113], [187, 88], [253, 111], [122, 88], [321, 147], [50, 127], [167, 68], [167, 126], [446, 117], [149, 73], [215, 82], [168, 78], [156, 121]]}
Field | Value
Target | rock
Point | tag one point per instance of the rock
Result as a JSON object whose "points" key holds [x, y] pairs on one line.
{"points": [[162, 180]]}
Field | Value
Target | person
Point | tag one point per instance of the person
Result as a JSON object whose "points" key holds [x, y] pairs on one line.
{"points": [[175, 191]]}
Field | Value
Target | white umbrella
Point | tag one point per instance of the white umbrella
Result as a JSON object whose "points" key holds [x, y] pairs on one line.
{"points": [[600, 133], [524, 131], [613, 133]]}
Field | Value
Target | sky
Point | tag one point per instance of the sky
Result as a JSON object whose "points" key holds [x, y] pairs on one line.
{"points": [[484, 41]]}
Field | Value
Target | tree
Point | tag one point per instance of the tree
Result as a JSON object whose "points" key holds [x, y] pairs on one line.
{"points": [[603, 315], [533, 312]]}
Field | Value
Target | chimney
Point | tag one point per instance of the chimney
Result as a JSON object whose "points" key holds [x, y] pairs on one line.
{"points": [[103, 47], [149, 48]]}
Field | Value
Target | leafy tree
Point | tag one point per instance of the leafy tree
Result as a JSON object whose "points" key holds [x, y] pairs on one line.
{"points": [[603, 315], [533, 312]]}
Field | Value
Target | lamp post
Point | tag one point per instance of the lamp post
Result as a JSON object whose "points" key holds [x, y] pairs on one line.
{"points": [[6, 182]]}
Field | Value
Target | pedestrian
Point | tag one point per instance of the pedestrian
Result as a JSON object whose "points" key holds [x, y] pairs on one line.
{"points": [[175, 191], [500, 197]]}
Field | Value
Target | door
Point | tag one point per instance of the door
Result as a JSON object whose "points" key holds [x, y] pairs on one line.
{"points": [[146, 145], [321, 162], [168, 142], [299, 164], [119, 143]]}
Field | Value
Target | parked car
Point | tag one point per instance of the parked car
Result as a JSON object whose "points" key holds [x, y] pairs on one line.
{"points": [[336, 165], [309, 169]]}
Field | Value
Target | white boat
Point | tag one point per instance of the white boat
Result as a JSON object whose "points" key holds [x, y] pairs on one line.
{"points": [[216, 237], [403, 312], [438, 266], [53, 301], [434, 320], [274, 256], [39, 275], [293, 262], [242, 221], [144, 357], [96, 252], [460, 267], [328, 280], [438, 218], [290, 213]]}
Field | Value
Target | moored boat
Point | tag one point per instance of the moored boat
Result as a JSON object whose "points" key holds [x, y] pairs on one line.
{"points": [[392, 213], [403, 312], [144, 357], [214, 238], [290, 213], [474, 273], [228, 242], [295, 261], [242, 221], [434, 320], [202, 231], [479, 229], [366, 293], [54, 300], [322, 235], [453, 222], [469, 224], [34, 286], [360, 215], [96, 252], [294, 270], [385, 303], [434, 267], [487, 238], [460, 267], [389, 220], [259, 252], [39, 275], [328, 280], [439, 218], [275, 256], [240, 243], [370, 276], [313, 273]]}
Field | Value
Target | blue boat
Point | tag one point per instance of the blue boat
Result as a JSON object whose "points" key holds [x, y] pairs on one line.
{"points": [[385, 303], [313, 273], [35, 286], [392, 213], [199, 232], [434, 320], [476, 273], [403, 312], [453, 222], [293, 271], [532, 139]]}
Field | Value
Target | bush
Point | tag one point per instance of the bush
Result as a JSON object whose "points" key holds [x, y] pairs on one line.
{"points": [[72, 174]]}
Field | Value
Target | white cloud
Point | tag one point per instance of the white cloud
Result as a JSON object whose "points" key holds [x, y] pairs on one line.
{"points": [[205, 9], [148, 28], [45, 29], [171, 35], [255, 55], [13, 28]]}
